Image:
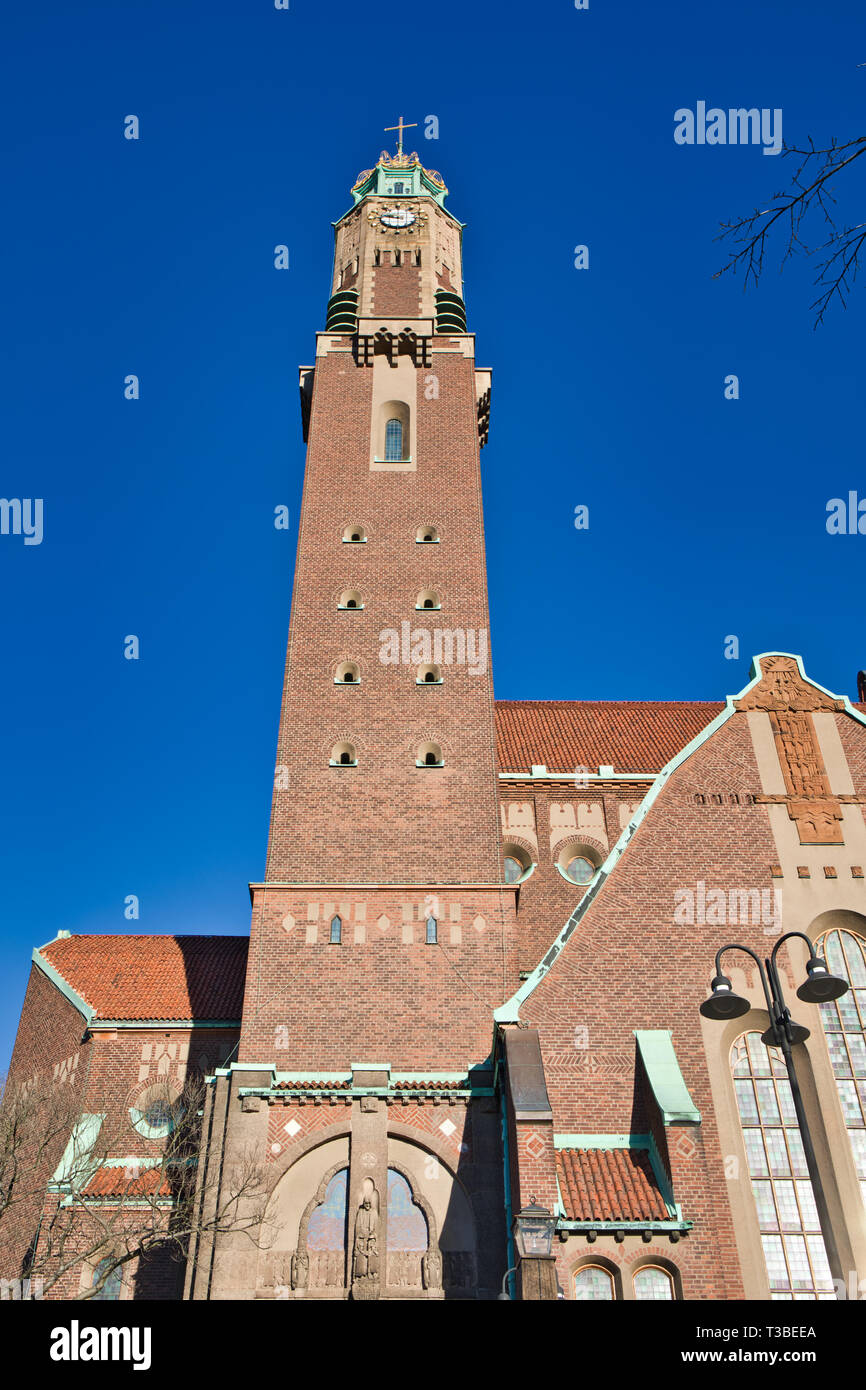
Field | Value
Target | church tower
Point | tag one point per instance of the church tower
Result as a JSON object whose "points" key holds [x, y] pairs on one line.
{"points": [[383, 933]]}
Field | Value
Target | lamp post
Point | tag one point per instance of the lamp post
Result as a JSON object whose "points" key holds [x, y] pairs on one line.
{"points": [[819, 987], [533, 1236]]}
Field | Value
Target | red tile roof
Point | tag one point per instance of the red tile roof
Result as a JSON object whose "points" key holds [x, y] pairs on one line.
{"points": [[150, 977], [119, 1182], [609, 1185], [629, 735]]}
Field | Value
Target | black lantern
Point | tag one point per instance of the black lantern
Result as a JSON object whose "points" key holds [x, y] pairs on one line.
{"points": [[533, 1231]]}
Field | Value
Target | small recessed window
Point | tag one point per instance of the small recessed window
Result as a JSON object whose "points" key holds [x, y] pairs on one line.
{"points": [[429, 675], [336, 931], [348, 673], [429, 755], [427, 599], [377, 257], [354, 535], [350, 599], [432, 931], [426, 535], [343, 755], [579, 870]]}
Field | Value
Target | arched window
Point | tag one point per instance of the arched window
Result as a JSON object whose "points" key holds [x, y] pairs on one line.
{"points": [[427, 535], [432, 931], [348, 673], [428, 598], [394, 441], [594, 1284], [336, 931], [350, 598], [653, 1284], [794, 1251], [844, 1023], [354, 535], [110, 1290], [343, 755]]}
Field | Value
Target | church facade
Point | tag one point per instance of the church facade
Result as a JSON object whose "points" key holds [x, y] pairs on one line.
{"points": [[476, 959]]}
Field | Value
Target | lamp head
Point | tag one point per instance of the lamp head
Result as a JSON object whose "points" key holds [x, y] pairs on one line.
{"points": [[723, 1003], [820, 987]]}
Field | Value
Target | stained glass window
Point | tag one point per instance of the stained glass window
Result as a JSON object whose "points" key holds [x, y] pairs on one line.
{"points": [[653, 1285], [844, 1023], [594, 1284], [407, 1228], [513, 869], [794, 1251], [327, 1225]]}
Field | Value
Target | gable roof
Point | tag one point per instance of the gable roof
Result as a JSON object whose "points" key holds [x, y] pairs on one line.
{"points": [[509, 1012], [629, 735], [153, 977]]}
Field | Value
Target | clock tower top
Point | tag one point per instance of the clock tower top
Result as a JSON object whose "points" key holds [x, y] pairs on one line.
{"points": [[397, 253]]}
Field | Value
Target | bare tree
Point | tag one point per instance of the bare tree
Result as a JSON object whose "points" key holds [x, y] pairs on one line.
{"points": [[69, 1203], [808, 201]]}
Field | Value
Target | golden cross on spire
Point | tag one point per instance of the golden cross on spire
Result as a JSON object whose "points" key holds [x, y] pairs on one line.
{"points": [[400, 127]]}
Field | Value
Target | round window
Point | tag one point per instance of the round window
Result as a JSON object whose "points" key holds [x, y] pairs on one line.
{"points": [[513, 869], [579, 870]]}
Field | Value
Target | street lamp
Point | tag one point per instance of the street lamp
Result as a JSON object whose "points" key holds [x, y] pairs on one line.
{"points": [[533, 1231], [819, 987], [533, 1235]]}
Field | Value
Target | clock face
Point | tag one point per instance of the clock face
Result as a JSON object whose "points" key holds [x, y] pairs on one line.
{"points": [[396, 217]]}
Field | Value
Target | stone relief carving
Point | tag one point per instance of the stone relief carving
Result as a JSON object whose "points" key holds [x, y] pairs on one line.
{"points": [[365, 1248], [790, 702]]}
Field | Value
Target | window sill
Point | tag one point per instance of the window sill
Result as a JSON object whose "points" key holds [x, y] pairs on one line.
{"points": [[441, 681], [333, 764], [396, 462], [428, 767]]}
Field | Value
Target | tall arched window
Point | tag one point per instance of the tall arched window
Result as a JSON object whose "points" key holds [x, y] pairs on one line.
{"points": [[594, 1284], [794, 1251], [394, 441], [844, 1023]]}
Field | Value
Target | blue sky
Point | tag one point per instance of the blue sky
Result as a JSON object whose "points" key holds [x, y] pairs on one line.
{"points": [[155, 257]]}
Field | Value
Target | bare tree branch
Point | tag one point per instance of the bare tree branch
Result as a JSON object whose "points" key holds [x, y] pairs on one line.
{"points": [[809, 194]]}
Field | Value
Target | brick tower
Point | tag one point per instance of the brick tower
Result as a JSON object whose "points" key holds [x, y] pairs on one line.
{"points": [[382, 937]]}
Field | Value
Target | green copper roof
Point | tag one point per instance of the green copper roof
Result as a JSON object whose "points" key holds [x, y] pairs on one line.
{"points": [[665, 1078], [400, 176]]}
